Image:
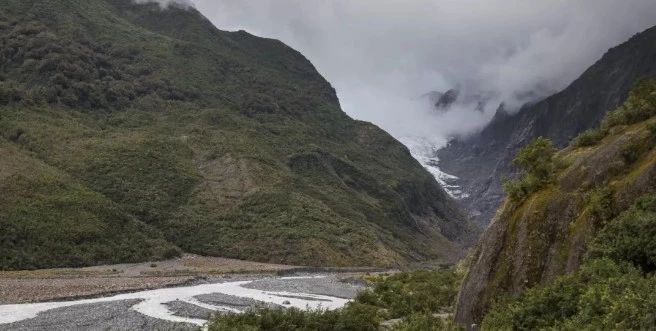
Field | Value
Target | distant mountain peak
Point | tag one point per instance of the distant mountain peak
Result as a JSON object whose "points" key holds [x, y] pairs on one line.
{"points": [[446, 101]]}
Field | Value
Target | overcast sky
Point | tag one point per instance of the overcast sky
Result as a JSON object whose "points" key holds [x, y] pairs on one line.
{"points": [[382, 54]]}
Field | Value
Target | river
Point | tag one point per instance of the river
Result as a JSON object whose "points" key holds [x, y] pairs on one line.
{"points": [[179, 307]]}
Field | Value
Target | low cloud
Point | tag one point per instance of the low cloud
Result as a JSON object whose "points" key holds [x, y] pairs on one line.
{"points": [[382, 55]]}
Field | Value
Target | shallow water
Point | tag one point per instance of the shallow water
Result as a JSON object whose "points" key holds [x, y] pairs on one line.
{"points": [[153, 301]]}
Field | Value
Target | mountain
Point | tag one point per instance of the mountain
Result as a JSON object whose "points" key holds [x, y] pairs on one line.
{"points": [[130, 132], [595, 201], [481, 161], [443, 101]]}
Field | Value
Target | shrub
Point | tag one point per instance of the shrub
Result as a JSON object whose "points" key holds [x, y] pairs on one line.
{"points": [[536, 161], [633, 149], [604, 295], [415, 297], [639, 106], [518, 190], [600, 204], [421, 291], [630, 237], [613, 289], [425, 322], [355, 317], [10, 93], [589, 138], [652, 129]]}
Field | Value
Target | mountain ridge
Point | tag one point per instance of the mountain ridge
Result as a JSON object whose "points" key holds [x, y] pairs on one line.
{"points": [[219, 143], [481, 161]]}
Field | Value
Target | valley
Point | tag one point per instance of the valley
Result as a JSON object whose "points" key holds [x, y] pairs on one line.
{"points": [[160, 173], [112, 153], [175, 294]]}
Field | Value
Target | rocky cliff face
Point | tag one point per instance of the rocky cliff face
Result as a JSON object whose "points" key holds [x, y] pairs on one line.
{"points": [[537, 238], [482, 160]]}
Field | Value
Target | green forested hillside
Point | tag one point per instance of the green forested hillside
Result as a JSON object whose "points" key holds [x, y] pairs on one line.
{"points": [[129, 132]]}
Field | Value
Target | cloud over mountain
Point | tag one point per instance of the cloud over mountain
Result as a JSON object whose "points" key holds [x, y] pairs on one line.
{"points": [[382, 54]]}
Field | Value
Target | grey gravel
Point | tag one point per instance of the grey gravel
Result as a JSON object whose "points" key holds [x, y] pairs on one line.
{"points": [[331, 285], [219, 299], [184, 309], [118, 316], [114, 316]]}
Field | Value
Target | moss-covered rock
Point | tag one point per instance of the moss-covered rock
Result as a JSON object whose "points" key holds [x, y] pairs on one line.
{"points": [[545, 235]]}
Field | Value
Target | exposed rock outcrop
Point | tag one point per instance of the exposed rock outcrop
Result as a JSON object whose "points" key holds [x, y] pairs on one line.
{"points": [[534, 240], [482, 160]]}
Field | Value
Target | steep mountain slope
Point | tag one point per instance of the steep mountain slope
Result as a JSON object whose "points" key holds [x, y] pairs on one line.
{"points": [[48, 218], [482, 160], [538, 236], [219, 143]]}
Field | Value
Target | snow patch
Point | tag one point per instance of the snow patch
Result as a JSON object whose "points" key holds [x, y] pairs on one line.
{"points": [[425, 151]]}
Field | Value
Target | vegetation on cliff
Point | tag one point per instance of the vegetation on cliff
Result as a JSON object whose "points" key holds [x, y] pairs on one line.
{"points": [[576, 253], [537, 163], [612, 291]]}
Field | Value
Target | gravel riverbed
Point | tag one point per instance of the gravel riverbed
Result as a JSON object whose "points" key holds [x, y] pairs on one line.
{"points": [[181, 308]]}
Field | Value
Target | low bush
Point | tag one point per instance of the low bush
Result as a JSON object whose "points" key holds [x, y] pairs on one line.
{"points": [[639, 106], [536, 161], [633, 150], [630, 237], [417, 292], [652, 129], [604, 295], [355, 317], [600, 204], [612, 291], [414, 297], [425, 322], [589, 138]]}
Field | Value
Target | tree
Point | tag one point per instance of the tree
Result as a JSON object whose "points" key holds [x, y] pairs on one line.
{"points": [[536, 161]]}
